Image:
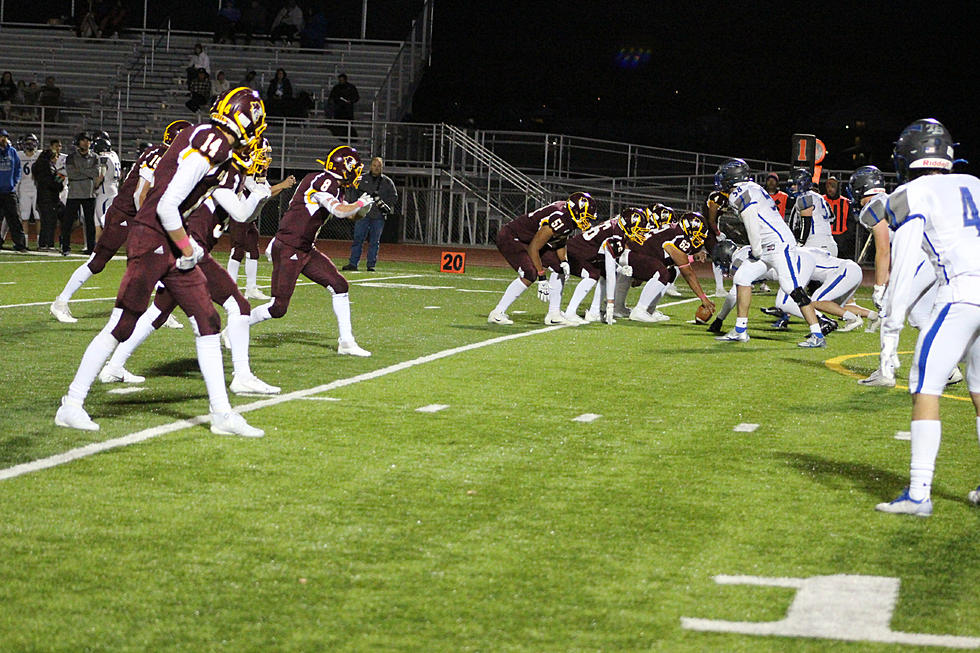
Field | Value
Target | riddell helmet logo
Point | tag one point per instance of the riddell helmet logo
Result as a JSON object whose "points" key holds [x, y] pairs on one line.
{"points": [[350, 163], [583, 204]]}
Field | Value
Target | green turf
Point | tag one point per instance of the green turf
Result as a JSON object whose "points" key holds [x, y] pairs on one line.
{"points": [[496, 524]]}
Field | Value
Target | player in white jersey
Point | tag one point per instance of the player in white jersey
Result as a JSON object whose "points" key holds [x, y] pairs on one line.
{"points": [[814, 212], [772, 243], [728, 256], [26, 190], [935, 211], [839, 280], [111, 172]]}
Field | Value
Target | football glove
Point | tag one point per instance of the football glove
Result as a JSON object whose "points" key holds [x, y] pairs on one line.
{"points": [[366, 199], [878, 295], [625, 270], [566, 269], [544, 289], [610, 309], [188, 262], [268, 250]]}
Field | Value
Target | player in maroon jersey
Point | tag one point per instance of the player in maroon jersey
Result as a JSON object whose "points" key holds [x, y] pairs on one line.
{"points": [[657, 260], [535, 242], [205, 224], [318, 198], [160, 250], [123, 209]]}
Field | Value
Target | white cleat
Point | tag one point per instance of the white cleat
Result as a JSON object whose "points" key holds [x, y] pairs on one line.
{"points": [[672, 291], [638, 315], [499, 317], [879, 379], [554, 317], [73, 416], [119, 375], [60, 310], [659, 316], [573, 319], [251, 384], [592, 316], [873, 325], [734, 336], [850, 325], [721, 292], [233, 424], [954, 377], [351, 348], [173, 323], [764, 288], [255, 293], [973, 496]]}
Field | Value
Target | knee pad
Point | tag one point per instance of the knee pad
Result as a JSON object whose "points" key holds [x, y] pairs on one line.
{"points": [[800, 297]]}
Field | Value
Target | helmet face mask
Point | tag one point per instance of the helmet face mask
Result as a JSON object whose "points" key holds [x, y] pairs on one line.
{"points": [[730, 173], [580, 207], [344, 164], [924, 146], [694, 227], [29, 143], [636, 224], [800, 181], [174, 128], [261, 159], [101, 144]]}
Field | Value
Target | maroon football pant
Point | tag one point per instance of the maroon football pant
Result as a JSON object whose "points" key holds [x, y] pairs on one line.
{"points": [[220, 287], [288, 263], [516, 254], [111, 241], [244, 240]]}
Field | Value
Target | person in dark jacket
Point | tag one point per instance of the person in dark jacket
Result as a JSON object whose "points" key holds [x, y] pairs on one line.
{"points": [[343, 97], [10, 172], [84, 175], [49, 186], [279, 96], [370, 226]]}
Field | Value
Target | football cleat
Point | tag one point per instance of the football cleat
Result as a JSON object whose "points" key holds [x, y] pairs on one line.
{"points": [[119, 375], [721, 292], [734, 336], [813, 342], [499, 317], [73, 416], [954, 377], [554, 317], [594, 316], [672, 291], [251, 384], [255, 293], [905, 505], [879, 379], [232, 423], [659, 316], [173, 323], [573, 319], [781, 324], [850, 325], [621, 312], [351, 348], [60, 310], [715, 326], [638, 315], [873, 325], [973, 496], [826, 324], [773, 311]]}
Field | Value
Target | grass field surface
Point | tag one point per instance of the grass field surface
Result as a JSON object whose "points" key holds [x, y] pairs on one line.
{"points": [[492, 522]]}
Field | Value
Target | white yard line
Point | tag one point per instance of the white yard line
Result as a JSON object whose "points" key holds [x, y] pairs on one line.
{"points": [[431, 408], [146, 434]]}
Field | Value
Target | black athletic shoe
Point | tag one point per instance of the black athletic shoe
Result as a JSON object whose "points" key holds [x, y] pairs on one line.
{"points": [[349, 267], [772, 310], [827, 325], [370, 269], [715, 326]]}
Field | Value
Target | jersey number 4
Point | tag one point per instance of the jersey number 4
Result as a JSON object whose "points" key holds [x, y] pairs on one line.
{"points": [[970, 216]]}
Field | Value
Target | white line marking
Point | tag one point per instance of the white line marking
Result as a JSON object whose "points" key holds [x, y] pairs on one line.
{"points": [[432, 307], [91, 288], [320, 398], [126, 391], [7, 283], [519, 312], [495, 292], [146, 434], [903, 435], [587, 417], [745, 427], [432, 408], [412, 286]]}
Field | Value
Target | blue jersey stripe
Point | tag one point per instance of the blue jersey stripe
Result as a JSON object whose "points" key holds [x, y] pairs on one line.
{"points": [[927, 345], [774, 229], [789, 262], [938, 261], [831, 286]]}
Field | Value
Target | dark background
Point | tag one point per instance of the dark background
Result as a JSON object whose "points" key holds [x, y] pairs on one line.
{"points": [[726, 78]]}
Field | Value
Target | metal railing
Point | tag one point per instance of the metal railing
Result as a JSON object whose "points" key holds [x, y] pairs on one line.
{"points": [[395, 92]]}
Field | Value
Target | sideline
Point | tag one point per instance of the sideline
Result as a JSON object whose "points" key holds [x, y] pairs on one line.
{"points": [[836, 365]]}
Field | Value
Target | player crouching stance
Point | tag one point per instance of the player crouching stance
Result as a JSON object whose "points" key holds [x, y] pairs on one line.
{"points": [[536, 241], [317, 198], [936, 211], [772, 243], [160, 250]]}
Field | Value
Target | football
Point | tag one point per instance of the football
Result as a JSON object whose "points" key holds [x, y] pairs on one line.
{"points": [[702, 315]]}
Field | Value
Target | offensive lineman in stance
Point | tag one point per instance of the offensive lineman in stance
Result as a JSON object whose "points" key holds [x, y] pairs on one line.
{"points": [[535, 241], [159, 249], [318, 198]]}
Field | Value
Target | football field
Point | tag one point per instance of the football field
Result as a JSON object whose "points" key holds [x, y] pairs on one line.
{"points": [[472, 487]]}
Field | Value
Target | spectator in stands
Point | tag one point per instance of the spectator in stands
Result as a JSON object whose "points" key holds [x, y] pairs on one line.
{"points": [[49, 186], [113, 21], [778, 196], [8, 93], [200, 88], [379, 186], [88, 25], [343, 97], [10, 172], [198, 60], [32, 94], [842, 213], [314, 35], [219, 85], [251, 81], [253, 20], [84, 174], [50, 97], [279, 97], [288, 23], [227, 24]]}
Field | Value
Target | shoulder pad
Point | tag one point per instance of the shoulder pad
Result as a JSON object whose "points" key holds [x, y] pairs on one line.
{"points": [[212, 144]]}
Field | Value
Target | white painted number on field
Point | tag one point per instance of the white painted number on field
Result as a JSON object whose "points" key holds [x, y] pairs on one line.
{"points": [[841, 607], [587, 417], [745, 427], [431, 408]]}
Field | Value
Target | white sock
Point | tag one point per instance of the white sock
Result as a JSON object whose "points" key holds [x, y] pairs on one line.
{"points": [[260, 314], [213, 370], [554, 297], [651, 292], [597, 297], [251, 272], [95, 356], [622, 290], [513, 291], [142, 331], [581, 290], [727, 306], [341, 308], [816, 330], [77, 279], [719, 278], [237, 331], [741, 324], [926, 434], [233, 266]]}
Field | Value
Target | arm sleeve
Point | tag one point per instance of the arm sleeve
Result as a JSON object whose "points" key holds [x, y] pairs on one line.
{"points": [[240, 210], [332, 204], [904, 243], [190, 171]]}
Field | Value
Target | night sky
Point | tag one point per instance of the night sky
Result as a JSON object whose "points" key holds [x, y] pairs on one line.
{"points": [[736, 81]]}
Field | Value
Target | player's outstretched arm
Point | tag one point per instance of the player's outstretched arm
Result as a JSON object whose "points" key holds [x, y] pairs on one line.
{"points": [[683, 263], [540, 239]]}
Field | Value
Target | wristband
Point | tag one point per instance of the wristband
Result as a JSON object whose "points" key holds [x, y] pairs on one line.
{"points": [[183, 242], [359, 204], [702, 297], [686, 265]]}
